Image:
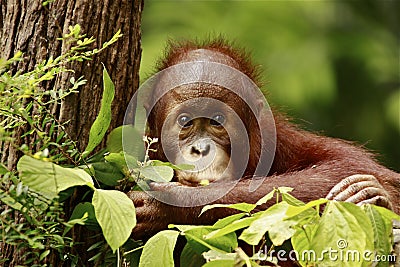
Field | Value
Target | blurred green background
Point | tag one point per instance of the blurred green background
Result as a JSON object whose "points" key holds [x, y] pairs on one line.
{"points": [[331, 65]]}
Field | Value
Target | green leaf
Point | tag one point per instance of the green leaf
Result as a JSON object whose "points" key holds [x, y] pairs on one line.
{"points": [[382, 232], [107, 173], [271, 221], [236, 225], [122, 161], [102, 122], [3, 169], [158, 251], [190, 258], [228, 220], [49, 179], [185, 227], [86, 208], [225, 243], [96, 245], [184, 167], [200, 243], [44, 255], [160, 174], [246, 207], [132, 250], [296, 210], [301, 241], [217, 259], [96, 257], [116, 215], [387, 214], [291, 200], [118, 160], [73, 222], [11, 202], [97, 157], [285, 189], [196, 236], [128, 139], [343, 227], [265, 198], [385, 238]]}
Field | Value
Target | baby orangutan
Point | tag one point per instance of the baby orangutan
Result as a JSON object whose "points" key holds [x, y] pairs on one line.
{"points": [[234, 140]]}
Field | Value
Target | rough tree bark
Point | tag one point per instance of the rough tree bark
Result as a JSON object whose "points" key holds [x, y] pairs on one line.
{"points": [[27, 26]]}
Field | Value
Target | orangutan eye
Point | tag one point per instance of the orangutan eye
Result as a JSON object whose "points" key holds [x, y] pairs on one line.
{"points": [[185, 121], [217, 120]]}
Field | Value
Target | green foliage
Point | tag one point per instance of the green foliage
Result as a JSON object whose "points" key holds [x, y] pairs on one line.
{"points": [[43, 230], [23, 102], [113, 209], [132, 145], [41, 185], [116, 215], [49, 179], [86, 210], [25, 105], [128, 162], [159, 250], [100, 125], [344, 234], [38, 191]]}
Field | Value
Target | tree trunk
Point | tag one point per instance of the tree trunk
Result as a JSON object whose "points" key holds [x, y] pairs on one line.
{"points": [[30, 27]]}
